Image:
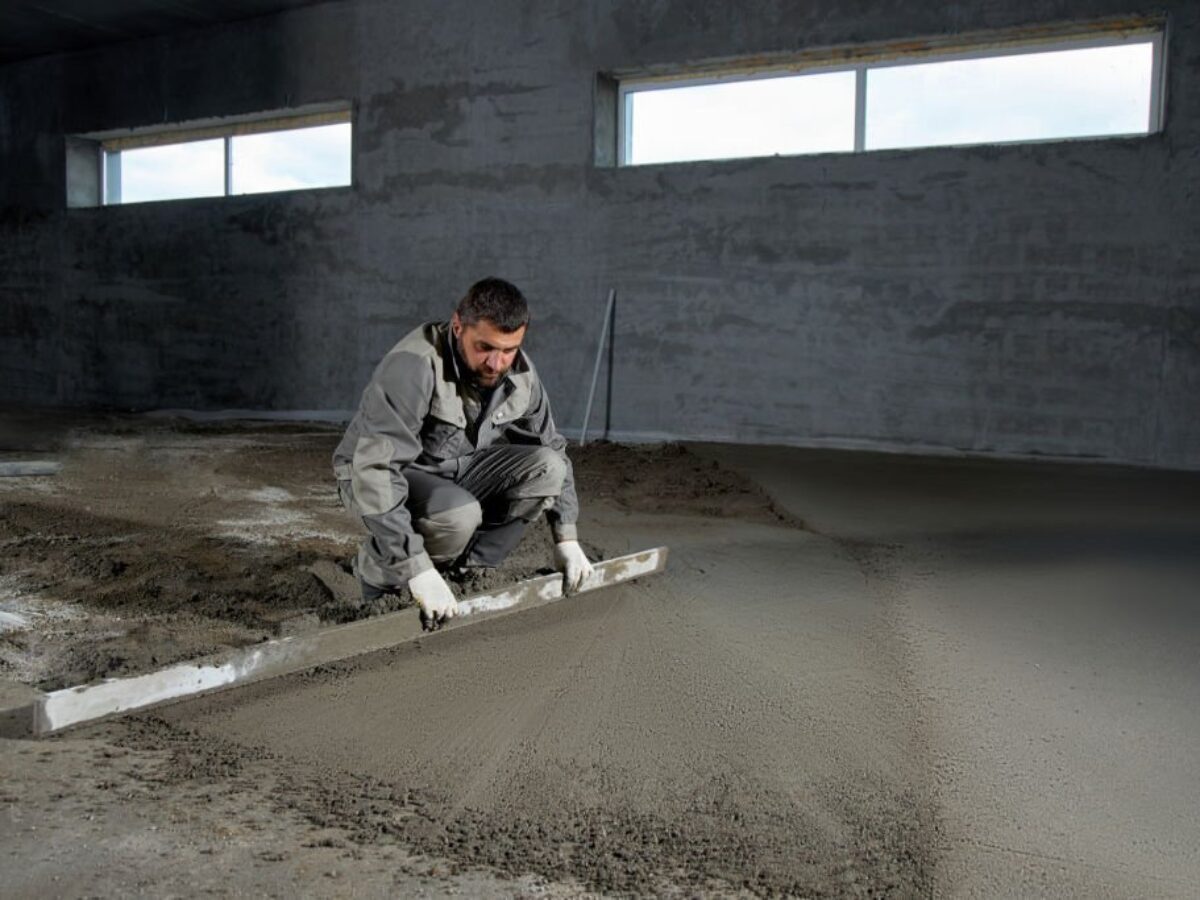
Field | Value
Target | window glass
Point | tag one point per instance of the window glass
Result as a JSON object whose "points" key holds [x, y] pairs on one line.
{"points": [[1027, 97], [759, 117], [288, 160], [1084, 87], [174, 171]]}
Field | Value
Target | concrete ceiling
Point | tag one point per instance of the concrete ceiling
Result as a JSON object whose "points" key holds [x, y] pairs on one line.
{"points": [[37, 27]]}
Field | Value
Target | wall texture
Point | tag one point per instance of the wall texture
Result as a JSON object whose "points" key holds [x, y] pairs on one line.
{"points": [[1038, 299]]}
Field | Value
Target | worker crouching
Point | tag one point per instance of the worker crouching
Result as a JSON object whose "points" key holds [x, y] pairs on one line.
{"points": [[453, 452]]}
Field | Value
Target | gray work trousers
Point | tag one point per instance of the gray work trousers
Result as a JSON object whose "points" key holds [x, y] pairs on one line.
{"points": [[474, 516]]}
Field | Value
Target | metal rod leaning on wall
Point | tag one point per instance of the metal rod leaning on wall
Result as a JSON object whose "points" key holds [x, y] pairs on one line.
{"points": [[604, 334]]}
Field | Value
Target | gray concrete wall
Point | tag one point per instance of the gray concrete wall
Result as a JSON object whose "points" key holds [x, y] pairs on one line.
{"points": [[1038, 299]]}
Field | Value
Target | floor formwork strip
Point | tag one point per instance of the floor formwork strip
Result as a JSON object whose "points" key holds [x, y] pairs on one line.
{"points": [[61, 709]]}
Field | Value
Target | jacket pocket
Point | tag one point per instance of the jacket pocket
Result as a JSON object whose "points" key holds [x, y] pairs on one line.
{"points": [[444, 435]]}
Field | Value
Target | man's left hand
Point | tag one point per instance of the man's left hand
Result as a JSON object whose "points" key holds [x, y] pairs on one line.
{"points": [[570, 559]]}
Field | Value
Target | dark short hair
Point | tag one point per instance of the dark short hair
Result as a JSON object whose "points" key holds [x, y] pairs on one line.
{"points": [[496, 300]]}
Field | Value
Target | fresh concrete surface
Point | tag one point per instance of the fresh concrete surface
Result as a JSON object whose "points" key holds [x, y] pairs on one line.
{"points": [[1062, 696], [297, 653], [96, 818], [960, 679], [1051, 616], [895, 497], [1037, 299], [980, 684]]}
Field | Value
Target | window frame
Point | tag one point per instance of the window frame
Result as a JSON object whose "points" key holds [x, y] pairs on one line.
{"points": [[108, 146], [885, 56]]}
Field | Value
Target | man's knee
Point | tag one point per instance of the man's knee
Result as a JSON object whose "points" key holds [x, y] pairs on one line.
{"points": [[543, 476], [447, 532]]}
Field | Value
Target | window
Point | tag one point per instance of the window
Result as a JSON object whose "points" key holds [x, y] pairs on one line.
{"points": [[169, 172], [1082, 92], [807, 114], [250, 155], [1081, 86], [290, 160]]}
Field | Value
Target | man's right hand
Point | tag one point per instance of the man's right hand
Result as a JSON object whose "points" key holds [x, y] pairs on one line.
{"points": [[434, 597]]}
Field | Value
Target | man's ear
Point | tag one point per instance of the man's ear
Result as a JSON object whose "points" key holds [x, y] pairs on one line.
{"points": [[456, 325]]}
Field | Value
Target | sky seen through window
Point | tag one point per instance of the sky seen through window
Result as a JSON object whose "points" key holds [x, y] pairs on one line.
{"points": [[1078, 92]]}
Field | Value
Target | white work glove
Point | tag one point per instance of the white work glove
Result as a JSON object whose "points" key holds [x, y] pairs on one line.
{"points": [[434, 597], [569, 559]]}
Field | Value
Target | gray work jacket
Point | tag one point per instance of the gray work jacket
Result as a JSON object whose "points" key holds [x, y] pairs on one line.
{"points": [[420, 409]]}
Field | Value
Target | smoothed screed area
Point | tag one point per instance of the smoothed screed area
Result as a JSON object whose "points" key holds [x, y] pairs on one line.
{"points": [[860, 675]]}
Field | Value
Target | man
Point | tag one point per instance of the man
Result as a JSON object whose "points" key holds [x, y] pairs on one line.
{"points": [[453, 451]]}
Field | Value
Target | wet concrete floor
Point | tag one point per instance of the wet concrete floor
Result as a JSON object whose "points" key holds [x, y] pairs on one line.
{"points": [[962, 678], [913, 677]]}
